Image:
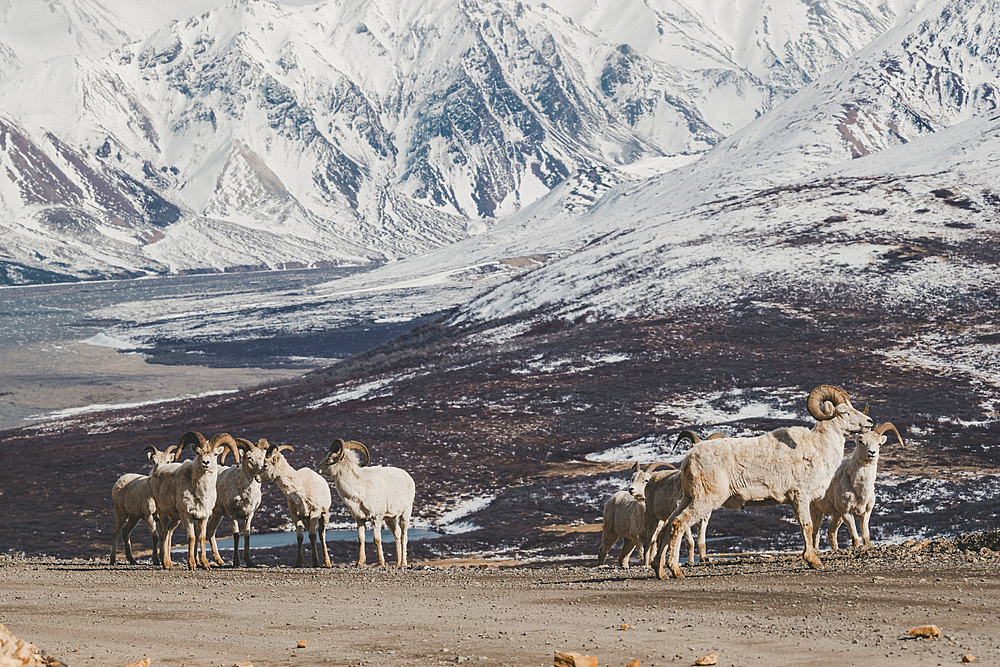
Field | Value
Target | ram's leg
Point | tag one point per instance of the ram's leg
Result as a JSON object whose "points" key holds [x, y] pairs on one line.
{"points": [[127, 538], [313, 526], [167, 533], [653, 528], [213, 526], [817, 521], [298, 538], [804, 516], [853, 530], [236, 543], [361, 542], [201, 525], [155, 533], [245, 529], [669, 542], [832, 528], [689, 540], [393, 525], [628, 546], [323, 522], [866, 536], [404, 531], [377, 523], [702, 546], [192, 537], [608, 539]]}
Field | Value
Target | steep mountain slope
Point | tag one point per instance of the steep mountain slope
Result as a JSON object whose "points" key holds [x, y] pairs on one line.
{"points": [[370, 130], [771, 208]]}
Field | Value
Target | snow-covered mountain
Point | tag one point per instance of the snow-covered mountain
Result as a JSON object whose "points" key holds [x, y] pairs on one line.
{"points": [[272, 134], [782, 206]]}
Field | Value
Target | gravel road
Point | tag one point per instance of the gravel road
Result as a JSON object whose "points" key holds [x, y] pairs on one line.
{"points": [[752, 610]]}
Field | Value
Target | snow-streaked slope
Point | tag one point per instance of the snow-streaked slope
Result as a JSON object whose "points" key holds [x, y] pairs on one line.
{"points": [[374, 129], [722, 228]]}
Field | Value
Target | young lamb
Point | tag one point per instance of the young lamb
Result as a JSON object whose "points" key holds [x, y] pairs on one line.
{"points": [[308, 496], [625, 517], [663, 493], [788, 465], [237, 498], [376, 494], [132, 497], [186, 493], [852, 491]]}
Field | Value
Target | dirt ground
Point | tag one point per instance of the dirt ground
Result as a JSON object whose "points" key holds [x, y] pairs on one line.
{"points": [[763, 610]]}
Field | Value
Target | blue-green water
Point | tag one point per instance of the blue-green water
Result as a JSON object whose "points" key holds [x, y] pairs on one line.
{"points": [[269, 540]]}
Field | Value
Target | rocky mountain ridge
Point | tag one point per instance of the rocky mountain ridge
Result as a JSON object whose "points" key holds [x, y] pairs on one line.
{"points": [[267, 134]]}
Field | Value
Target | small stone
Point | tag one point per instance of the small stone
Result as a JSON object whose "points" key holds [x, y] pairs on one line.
{"points": [[243, 664], [926, 631], [710, 659], [139, 663], [633, 663], [662, 629], [968, 657], [301, 644], [574, 660], [626, 627]]}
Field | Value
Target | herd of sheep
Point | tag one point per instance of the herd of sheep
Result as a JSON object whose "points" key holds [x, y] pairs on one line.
{"points": [[199, 492], [802, 467]]}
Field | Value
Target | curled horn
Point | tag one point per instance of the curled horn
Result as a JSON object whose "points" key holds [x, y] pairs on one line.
{"points": [[819, 396], [716, 436], [355, 445], [228, 441], [273, 448], [690, 435], [659, 464], [150, 450], [336, 450], [193, 438], [887, 426], [173, 452], [244, 445]]}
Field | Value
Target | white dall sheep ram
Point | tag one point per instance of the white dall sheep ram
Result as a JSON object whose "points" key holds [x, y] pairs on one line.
{"points": [[376, 494], [625, 518], [237, 498], [663, 493], [788, 465], [186, 493], [308, 497], [852, 491], [132, 497]]}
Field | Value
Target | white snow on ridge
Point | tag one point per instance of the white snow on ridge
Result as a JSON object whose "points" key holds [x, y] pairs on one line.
{"points": [[104, 340], [101, 407]]}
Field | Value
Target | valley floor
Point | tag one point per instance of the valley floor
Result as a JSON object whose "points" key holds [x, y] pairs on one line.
{"points": [[764, 610], [51, 378]]}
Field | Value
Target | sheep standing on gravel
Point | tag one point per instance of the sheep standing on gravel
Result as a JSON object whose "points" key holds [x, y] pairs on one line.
{"points": [[788, 465], [376, 494], [132, 497], [187, 492], [663, 493], [625, 518], [852, 491], [308, 496], [237, 498]]}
